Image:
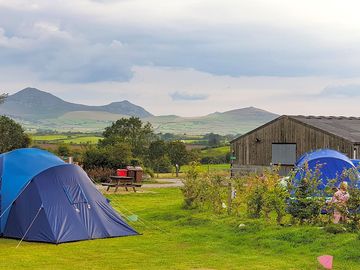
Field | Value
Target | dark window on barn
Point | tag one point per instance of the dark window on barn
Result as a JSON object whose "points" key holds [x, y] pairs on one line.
{"points": [[283, 153]]}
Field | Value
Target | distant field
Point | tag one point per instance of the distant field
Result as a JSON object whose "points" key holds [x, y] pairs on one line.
{"points": [[67, 139], [209, 167], [80, 140], [194, 141], [48, 137], [214, 152]]}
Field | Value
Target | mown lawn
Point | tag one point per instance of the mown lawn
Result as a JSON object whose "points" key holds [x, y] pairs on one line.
{"points": [[175, 238], [208, 167]]}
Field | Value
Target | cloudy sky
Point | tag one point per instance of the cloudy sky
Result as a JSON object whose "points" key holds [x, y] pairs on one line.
{"points": [[188, 57]]}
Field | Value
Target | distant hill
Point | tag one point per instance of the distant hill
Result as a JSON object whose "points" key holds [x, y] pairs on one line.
{"points": [[37, 109], [33, 104], [231, 122]]}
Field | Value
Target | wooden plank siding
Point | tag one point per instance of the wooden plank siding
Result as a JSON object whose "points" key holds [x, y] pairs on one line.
{"points": [[255, 148]]}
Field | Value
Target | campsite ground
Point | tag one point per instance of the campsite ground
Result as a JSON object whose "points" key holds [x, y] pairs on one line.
{"points": [[176, 238]]}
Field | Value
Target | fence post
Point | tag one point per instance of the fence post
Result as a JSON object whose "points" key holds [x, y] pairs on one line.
{"points": [[229, 197], [232, 158]]}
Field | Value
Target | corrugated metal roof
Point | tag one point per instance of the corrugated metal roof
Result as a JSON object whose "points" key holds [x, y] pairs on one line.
{"points": [[344, 127]]}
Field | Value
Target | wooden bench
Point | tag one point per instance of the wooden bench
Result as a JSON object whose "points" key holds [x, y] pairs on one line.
{"points": [[122, 181]]}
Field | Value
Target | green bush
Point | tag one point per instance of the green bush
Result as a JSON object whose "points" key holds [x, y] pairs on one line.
{"points": [[100, 174], [149, 172], [264, 194], [267, 196], [162, 165], [12, 135], [204, 191], [353, 205], [260, 195], [111, 156], [335, 228], [63, 150], [307, 199], [214, 160], [192, 187]]}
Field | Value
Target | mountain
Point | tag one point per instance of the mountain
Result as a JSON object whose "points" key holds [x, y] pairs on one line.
{"points": [[33, 104], [36, 109], [231, 122]]}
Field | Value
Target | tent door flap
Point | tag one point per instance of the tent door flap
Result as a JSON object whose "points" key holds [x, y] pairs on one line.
{"points": [[75, 194]]}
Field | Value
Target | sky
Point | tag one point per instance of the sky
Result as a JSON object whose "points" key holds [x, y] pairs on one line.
{"points": [[188, 57]]}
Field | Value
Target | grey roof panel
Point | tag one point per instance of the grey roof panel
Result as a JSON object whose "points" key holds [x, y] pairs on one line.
{"points": [[344, 127]]}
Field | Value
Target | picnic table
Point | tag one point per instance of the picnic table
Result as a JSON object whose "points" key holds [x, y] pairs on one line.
{"points": [[122, 181]]}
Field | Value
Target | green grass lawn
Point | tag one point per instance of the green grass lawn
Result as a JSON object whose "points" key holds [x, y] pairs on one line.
{"points": [[208, 167], [188, 239]]}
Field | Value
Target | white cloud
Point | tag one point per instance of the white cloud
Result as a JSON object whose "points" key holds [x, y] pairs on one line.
{"points": [[184, 96], [271, 54], [237, 38], [341, 91], [151, 87], [12, 42]]}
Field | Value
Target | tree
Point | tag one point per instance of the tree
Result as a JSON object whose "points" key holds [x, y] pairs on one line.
{"points": [[178, 154], [157, 149], [111, 156], [63, 150], [157, 156], [194, 155], [131, 131], [168, 137], [3, 97], [162, 165], [213, 139], [12, 135]]}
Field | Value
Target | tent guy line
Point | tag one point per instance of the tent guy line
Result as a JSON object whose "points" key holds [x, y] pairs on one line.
{"points": [[32, 222]]}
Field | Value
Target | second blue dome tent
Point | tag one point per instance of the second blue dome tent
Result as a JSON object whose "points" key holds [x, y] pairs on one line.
{"points": [[331, 164]]}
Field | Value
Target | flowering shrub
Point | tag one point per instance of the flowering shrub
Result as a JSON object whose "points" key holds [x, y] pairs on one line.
{"points": [[352, 210], [307, 199], [260, 195], [203, 190], [192, 188], [268, 195]]}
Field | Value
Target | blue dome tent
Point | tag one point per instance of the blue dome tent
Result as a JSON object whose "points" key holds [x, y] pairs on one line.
{"points": [[47, 200], [356, 163], [331, 164]]}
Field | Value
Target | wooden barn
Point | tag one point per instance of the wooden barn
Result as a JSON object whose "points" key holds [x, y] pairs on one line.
{"points": [[283, 140]]}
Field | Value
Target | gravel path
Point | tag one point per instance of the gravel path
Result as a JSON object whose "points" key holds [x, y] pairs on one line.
{"points": [[170, 183]]}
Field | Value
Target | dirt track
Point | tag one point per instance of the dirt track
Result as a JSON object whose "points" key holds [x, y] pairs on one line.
{"points": [[168, 183]]}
